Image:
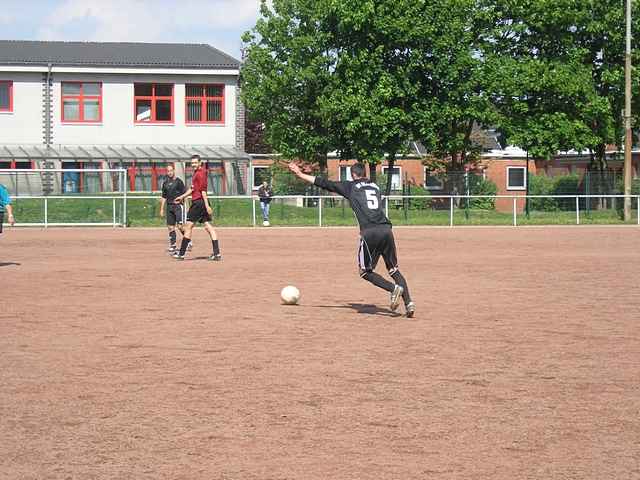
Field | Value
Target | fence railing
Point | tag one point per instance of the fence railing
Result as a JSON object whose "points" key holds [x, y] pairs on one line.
{"points": [[114, 210]]}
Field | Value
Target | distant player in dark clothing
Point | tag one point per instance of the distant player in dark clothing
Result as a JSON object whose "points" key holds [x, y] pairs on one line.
{"points": [[265, 193], [200, 211], [376, 237], [172, 188]]}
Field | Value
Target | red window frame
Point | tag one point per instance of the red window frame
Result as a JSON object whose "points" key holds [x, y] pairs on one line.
{"points": [[203, 99], [9, 83], [14, 164], [81, 97], [153, 98]]}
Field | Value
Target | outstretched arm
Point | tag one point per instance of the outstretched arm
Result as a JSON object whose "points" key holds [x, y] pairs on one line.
{"points": [[300, 174], [342, 188]]}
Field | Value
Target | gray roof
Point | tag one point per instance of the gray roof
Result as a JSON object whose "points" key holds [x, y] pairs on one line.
{"points": [[148, 153], [105, 54], [485, 138]]}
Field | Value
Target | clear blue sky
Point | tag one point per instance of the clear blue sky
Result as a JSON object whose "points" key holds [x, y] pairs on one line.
{"points": [[217, 22]]}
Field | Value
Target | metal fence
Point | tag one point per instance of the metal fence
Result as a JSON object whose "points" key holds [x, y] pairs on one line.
{"points": [[324, 210]]}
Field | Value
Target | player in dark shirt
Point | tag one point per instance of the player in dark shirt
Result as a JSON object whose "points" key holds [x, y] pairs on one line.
{"points": [[200, 211], [376, 237], [172, 188]]}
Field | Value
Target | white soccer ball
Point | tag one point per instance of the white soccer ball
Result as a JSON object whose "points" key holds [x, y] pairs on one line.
{"points": [[265, 223], [290, 295]]}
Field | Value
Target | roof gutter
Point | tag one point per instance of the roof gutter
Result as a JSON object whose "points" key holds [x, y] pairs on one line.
{"points": [[120, 70]]}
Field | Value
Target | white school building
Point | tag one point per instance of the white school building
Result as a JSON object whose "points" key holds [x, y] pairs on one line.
{"points": [[137, 106]]}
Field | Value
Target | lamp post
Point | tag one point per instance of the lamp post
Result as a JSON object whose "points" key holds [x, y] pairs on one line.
{"points": [[526, 180], [628, 143]]}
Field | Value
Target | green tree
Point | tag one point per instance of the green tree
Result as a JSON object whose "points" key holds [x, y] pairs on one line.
{"points": [[334, 75], [558, 74], [371, 104], [286, 71], [453, 93]]}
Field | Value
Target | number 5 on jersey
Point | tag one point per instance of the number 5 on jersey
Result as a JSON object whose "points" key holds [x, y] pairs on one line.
{"points": [[372, 199]]}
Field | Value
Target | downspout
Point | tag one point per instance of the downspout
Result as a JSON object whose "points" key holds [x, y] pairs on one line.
{"points": [[47, 136]]}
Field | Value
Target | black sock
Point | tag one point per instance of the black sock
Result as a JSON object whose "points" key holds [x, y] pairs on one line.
{"points": [[399, 279], [216, 247], [172, 238], [379, 281], [184, 245]]}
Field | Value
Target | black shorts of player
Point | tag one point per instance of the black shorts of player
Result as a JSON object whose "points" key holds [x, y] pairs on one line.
{"points": [[1, 220], [376, 242], [198, 212], [175, 214]]}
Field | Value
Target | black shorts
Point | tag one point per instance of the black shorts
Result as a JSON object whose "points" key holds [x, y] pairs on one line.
{"points": [[1, 220], [175, 214], [198, 212], [376, 242]]}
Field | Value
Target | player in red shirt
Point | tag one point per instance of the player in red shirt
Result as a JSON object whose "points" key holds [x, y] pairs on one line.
{"points": [[200, 211]]}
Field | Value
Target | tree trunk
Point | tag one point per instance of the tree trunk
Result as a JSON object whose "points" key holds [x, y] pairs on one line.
{"points": [[601, 165], [321, 159], [466, 144], [601, 157], [372, 172], [454, 161]]}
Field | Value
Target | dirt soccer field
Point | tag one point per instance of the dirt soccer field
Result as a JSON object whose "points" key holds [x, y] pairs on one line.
{"points": [[117, 362]]}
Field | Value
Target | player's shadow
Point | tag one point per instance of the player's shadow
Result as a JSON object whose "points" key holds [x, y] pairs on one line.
{"points": [[8, 264], [364, 308]]}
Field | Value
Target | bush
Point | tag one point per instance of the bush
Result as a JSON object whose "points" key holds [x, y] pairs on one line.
{"points": [[562, 185], [619, 202], [419, 203], [481, 186], [566, 185], [542, 185], [635, 186]]}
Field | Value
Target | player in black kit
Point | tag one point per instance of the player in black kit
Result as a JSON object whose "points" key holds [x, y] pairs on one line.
{"points": [[376, 237], [172, 188]]}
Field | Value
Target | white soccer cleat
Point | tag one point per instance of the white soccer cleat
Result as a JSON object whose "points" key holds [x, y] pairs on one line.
{"points": [[411, 309], [266, 223], [396, 295]]}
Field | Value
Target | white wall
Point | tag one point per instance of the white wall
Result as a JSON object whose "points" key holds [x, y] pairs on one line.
{"points": [[118, 127], [24, 124]]}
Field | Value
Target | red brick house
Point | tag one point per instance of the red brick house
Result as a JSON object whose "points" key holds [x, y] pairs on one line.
{"points": [[507, 168]]}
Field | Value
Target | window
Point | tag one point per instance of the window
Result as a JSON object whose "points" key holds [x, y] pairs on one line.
{"points": [[153, 103], [25, 165], [396, 177], [81, 102], [345, 174], [260, 174], [432, 181], [516, 178], [204, 103], [6, 96]]}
